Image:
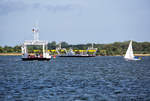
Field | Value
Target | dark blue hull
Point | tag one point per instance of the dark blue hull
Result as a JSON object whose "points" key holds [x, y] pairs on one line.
{"points": [[39, 59]]}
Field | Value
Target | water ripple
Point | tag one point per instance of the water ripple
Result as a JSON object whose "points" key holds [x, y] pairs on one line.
{"points": [[105, 78]]}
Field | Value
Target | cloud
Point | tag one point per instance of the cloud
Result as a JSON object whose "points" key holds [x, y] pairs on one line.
{"points": [[36, 5], [11, 6], [58, 8], [8, 6]]}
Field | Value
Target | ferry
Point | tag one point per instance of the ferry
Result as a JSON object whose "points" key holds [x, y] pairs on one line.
{"points": [[71, 53], [36, 42]]}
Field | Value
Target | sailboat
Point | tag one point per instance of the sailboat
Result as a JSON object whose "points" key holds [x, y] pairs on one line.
{"points": [[129, 53]]}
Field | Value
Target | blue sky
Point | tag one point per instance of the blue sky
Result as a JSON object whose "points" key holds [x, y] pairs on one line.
{"points": [[75, 21]]}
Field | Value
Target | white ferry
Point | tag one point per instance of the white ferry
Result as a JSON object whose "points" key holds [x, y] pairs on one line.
{"points": [[36, 42]]}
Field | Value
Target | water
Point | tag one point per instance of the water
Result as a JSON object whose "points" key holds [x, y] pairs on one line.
{"points": [[74, 79]]}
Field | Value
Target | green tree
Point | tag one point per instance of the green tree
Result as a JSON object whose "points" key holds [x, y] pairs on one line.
{"points": [[1, 50], [64, 45], [52, 45]]}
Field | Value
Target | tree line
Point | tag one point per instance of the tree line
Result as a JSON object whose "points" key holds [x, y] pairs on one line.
{"points": [[116, 48]]}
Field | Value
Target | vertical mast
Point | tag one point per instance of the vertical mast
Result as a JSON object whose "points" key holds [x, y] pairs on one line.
{"points": [[35, 31], [59, 45]]}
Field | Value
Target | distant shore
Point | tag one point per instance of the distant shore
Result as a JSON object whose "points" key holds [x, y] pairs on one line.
{"points": [[18, 54], [142, 54], [10, 54]]}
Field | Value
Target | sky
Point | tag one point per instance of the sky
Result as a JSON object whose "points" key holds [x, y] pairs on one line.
{"points": [[74, 21]]}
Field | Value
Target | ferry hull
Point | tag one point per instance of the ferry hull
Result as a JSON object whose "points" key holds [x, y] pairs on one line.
{"points": [[39, 59], [78, 56]]}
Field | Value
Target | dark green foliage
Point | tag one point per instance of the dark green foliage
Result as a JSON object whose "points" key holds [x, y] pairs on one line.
{"points": [[64, 45], [8, 49], [1, 49], [52, 45], [17, 49]]}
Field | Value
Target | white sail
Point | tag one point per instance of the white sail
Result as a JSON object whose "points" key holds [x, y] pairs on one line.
{"points": [[129, 54]]}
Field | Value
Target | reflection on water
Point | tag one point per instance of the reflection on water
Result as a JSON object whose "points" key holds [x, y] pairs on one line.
{"points": [[74, 79]]}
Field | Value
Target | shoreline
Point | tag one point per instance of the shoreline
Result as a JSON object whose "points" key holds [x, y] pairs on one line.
{"points": [[141, 54], [10, 54], [18, 54]]}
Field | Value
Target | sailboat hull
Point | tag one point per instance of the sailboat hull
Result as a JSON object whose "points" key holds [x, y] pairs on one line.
{"points": [[135, 59]]}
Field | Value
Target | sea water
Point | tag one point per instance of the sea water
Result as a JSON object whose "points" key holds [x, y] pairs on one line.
{"points": [[102, 78]]}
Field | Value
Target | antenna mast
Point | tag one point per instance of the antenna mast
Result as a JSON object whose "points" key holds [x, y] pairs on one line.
{"points": [[35, 31]]}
